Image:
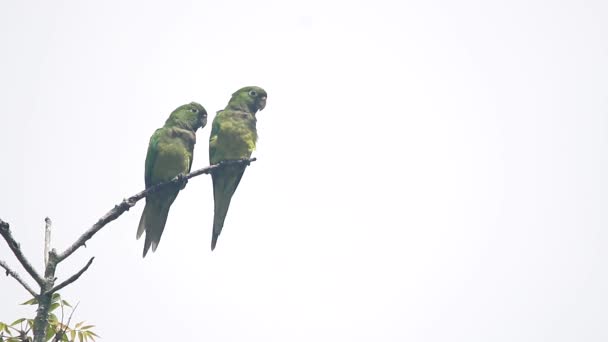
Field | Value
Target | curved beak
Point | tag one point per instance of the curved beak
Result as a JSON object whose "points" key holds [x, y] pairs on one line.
{"points": [[262, 103], [202, 119]]}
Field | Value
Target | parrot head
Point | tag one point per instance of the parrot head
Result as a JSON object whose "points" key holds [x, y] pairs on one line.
{"points": [[191, 115], [250, 99]]}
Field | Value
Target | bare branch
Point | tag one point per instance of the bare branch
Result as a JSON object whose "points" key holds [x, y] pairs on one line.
{"points": [[126, 204], [72, 278], [62, 332], [47, 239], [52, 259], [71, 313], [14, 246], [18, 278]]}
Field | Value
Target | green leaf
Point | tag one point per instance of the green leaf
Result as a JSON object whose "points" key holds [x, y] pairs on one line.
{"points": [[72, 335], [80, 336], [65, 302], [56, 297], [53, 318], [78, 325], [32, 301], [53, 307], [86, 327], [49, 334], [18, 321]]}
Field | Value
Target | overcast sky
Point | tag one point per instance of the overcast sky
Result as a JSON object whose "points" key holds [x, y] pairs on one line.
{"points": [[427, 170]]}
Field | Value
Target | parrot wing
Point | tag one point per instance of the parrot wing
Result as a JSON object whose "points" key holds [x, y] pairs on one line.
{"points": [[151, 156]]}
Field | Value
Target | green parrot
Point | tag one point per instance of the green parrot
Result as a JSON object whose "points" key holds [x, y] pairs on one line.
{"points": [[233, 136], [169, 155]]}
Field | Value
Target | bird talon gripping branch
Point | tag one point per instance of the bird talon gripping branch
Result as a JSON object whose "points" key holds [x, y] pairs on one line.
{"points": [[182, 180]]}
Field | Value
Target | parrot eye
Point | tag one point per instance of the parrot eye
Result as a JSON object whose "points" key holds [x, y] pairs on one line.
{"points": [[253, 93]]}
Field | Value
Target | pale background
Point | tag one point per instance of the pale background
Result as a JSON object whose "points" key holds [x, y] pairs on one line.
{"points": [[428, 170]]}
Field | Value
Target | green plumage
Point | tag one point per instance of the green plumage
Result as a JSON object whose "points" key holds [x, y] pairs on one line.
{"points": [[233, 136], [169, 154]]}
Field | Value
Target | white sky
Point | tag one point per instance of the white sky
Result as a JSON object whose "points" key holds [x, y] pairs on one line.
{"points": [[428, 170]]}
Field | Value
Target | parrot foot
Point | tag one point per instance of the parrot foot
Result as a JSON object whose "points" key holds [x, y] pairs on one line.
{"points": [[242, 161], [224, 163], [182, 180]]}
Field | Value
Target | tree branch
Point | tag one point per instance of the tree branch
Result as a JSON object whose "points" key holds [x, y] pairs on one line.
{"points": [[72, 278], [47, 239], [18, 278], [63, 331], [52, 259], [14, 246], [126, 204]]}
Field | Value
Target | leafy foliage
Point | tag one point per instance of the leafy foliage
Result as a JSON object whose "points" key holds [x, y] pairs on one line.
{"points": [[21, 330]]}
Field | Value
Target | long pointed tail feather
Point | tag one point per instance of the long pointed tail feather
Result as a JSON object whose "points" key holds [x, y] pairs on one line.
{"points": [[153, 220], [224, 186]]}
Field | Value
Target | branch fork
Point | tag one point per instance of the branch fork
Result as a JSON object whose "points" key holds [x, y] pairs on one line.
{"points": [[52, 258]]}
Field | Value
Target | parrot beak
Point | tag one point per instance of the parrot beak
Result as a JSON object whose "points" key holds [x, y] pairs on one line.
{"points": [[262, 103], [202, 118]]}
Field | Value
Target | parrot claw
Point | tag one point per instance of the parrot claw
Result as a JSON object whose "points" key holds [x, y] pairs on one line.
{"points": [[182, 180], [225, 163], [242, 161]]}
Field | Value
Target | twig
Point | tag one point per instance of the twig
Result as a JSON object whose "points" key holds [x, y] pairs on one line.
{"points": [[63, 331], [72, 278], [52, 259], [18, 278], [126, 204], [47, 239], [71, 313], [64, 327], [14, 246]]}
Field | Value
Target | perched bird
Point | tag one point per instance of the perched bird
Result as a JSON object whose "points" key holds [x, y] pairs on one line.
{"points": [[169, 155], [233, 136]]}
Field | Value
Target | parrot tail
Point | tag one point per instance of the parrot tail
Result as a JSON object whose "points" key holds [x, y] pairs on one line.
{"points": [[153, 221], [224, 186]]}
